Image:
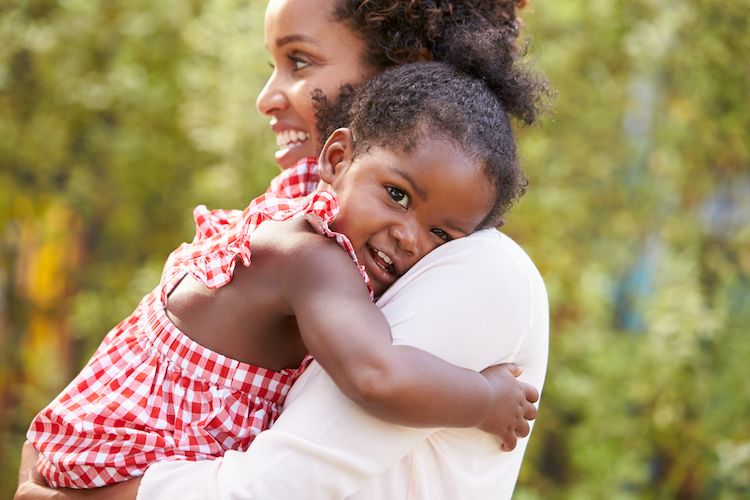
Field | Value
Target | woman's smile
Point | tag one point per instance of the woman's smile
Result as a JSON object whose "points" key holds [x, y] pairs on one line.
{"points": [[309, 53]]}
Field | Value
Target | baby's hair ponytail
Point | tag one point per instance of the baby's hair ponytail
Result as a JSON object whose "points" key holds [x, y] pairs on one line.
{"points": [[478, 37], [468, 94], [482, 53]]}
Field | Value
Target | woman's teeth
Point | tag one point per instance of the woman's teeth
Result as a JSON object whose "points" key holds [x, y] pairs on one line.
{"points": [[290, 138]]}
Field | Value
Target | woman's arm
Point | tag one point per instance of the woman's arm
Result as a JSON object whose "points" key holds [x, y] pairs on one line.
{"points": [[332, 448], [351, 339]]}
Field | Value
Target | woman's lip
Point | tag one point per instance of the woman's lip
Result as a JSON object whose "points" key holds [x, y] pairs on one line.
{"points": [[280, 126], [288, 156]]}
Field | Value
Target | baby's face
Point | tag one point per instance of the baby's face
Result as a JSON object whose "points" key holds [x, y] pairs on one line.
{"points": [[398, 206]]}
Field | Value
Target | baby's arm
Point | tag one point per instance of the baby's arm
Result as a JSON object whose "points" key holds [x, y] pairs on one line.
{"points": [[32, 485], [350, 338]]}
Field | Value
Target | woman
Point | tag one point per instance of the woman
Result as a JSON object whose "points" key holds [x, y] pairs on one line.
{"points": [[498, 313]]}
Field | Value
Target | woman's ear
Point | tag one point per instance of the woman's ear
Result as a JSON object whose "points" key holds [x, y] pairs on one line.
{"points": [[336, 155]]}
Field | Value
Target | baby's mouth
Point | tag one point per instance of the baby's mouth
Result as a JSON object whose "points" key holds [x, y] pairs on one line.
{"points": [[290, 138], [382, 260]]}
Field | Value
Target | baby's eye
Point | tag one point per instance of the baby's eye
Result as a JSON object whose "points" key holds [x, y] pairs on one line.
{"points": [[399, 196], [441, 234], [298, 63]]}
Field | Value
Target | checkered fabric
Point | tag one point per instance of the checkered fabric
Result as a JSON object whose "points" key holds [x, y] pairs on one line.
{"points": [[300, 180], [150, 393], [222, 236]]}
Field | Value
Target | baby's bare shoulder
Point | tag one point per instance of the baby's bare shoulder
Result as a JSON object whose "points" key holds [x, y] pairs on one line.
{"points": [[294, 244], [304, 266]]}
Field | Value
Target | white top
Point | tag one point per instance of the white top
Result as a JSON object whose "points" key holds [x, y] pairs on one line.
{"points": [[476, 302]]}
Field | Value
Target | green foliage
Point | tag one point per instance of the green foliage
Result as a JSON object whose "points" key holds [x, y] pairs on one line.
{"points": [[638, 216], [117, 118]]}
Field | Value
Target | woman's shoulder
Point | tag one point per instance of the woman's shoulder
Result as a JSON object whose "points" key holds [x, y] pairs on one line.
{"points": [[489, 247], [486, 260]]}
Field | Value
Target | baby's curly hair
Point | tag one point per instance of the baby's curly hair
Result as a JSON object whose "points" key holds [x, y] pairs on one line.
{"points": [[401, 106], [476, 36]]}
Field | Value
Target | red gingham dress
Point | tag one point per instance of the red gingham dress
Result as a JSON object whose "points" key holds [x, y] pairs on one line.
{"points": [[150, 393], [298, 181]]}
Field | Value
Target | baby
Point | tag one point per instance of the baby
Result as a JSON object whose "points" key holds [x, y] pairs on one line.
{"points": [[425, 155]]}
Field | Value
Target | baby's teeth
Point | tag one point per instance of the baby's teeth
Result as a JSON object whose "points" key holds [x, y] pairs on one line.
{"points": [[385, 258]]}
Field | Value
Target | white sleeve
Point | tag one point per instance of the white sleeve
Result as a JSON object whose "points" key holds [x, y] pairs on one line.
{"points": [[311, 452], [323, 445]]}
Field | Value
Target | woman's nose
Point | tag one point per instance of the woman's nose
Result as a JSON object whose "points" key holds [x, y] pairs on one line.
{"points": [[272, 99]]}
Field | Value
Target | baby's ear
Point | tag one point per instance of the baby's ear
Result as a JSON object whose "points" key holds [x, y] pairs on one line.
{"points": [[336, 154]]}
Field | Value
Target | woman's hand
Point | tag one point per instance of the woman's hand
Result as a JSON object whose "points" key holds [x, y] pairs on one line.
{"points": [[513, 405], [32, 486]]}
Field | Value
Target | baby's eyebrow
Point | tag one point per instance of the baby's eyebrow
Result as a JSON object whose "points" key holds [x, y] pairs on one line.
{"points": [[423, 194], [408, 178], [452, 225], [280, 42]]}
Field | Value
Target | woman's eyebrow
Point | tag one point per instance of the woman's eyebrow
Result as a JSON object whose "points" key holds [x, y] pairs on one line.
{"points": [[280, 42]]}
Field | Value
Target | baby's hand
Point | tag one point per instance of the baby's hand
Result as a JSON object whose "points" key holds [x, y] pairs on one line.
{"points": [[513, 404]]}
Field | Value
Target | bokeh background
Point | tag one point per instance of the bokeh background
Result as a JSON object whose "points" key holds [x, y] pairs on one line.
{"points": [[118, 117]]}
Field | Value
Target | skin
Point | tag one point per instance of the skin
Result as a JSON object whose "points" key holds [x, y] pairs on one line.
{"points": [[309, 52], [398, 206], [405, 200], [403, 204]]}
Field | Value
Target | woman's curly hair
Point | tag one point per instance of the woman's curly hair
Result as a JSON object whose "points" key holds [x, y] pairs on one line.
{"points": [[403, 105], [478, 37]]}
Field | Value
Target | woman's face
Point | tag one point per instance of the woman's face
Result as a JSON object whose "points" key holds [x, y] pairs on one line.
{"points": [[309, 51]]}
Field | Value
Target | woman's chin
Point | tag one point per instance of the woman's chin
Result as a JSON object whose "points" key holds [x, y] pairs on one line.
{"points": [[287, 157]]}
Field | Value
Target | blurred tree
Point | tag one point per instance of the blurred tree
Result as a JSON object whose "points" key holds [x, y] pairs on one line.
{"points": [[117, 118], [638, 216]]}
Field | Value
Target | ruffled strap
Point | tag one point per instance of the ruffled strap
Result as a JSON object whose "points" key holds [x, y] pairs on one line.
{"points": [[211, 259], [299, 180], [209, 223], [342, 240]]}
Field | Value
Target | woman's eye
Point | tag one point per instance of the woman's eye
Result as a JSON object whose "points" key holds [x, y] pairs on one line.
{"points": [[298, 63], [399, 196], [441, 234]]}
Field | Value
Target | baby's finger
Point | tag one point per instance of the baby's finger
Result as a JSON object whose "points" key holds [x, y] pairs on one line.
{"points": [[513, 368], [531, 393], [509, 444], [523, 429], [530, 412]]}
